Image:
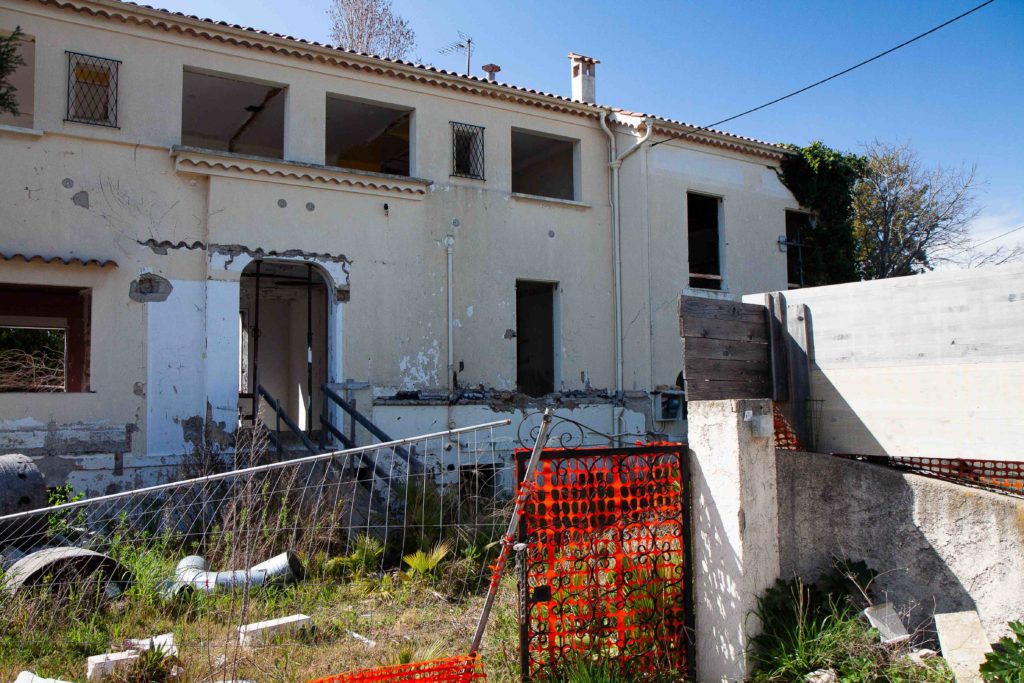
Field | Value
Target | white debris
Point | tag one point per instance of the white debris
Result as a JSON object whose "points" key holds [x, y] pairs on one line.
{"points": [[163, 642], [100, 666], [821, 676], [251, 635], [919, 656], [363, 639], [890, 627], [963, 644], [29, 677]]}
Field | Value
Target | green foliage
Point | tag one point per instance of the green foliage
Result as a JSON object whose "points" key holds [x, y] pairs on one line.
{"points": [[423, 565], [807, 627], [65, 522], [585, 668], [823, 179], [363, 560], [1006, 663], [10, 60]]}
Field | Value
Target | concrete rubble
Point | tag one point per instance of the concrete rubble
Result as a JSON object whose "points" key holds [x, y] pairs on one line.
{"points": [[963, 644], [887, 622], [253, 635]]}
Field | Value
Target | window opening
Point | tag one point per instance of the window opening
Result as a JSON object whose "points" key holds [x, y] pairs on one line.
{"points": [[535, 337], [232, 115], [467, 150], [367, 136], [22, 81], [543, 166], [797, 225], [703, 240], [92, 89], [478, 482], [44, 339]]}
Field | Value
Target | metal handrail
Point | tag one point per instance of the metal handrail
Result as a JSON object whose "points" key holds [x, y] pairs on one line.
{"points": [[283, 416], [414, 463]]}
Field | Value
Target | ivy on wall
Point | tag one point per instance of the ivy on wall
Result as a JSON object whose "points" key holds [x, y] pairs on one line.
{"points": [[822, 179]]}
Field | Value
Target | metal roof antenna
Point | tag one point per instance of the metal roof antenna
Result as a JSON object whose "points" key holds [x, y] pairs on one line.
{"points": [[463, 45]]}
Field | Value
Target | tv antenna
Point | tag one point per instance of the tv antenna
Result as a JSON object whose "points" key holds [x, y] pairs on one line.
{"points": [[463, 45]]}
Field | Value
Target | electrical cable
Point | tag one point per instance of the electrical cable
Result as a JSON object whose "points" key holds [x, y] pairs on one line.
{"points": [[829, 78]]}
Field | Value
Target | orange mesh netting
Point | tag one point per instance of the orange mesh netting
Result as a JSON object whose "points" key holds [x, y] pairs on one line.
{"points": [[785, 437], [606, 564], [450, 670], [1000, 475]]}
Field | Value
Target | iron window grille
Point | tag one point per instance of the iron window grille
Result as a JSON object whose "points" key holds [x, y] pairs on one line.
{"points": [[467, 150], [92, 90]]}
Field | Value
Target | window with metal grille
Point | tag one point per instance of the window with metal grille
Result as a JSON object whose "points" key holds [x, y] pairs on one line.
{"points": [[92, 90], [467, 150]]}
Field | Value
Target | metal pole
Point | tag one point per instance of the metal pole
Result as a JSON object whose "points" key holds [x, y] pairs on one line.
{"points": [[513, 527]]}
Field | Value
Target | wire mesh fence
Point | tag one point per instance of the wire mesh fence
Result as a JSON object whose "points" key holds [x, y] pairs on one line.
{"points": [[388, 556]]}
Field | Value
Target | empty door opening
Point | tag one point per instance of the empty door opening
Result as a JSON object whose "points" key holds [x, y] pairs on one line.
{"points": [[535, 337]]}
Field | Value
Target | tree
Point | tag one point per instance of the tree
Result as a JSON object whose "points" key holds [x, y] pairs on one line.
{"points": [[822, 180], [908, 219], [10, 60], [371, 26]]}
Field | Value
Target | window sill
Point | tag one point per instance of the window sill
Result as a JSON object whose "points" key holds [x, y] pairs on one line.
{"points": [[211, 162], [549, 200], [708, 293], [19, 130]]}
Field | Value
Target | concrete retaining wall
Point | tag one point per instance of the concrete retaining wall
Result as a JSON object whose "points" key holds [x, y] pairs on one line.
{"points": [[938, 546], [922, 366]]}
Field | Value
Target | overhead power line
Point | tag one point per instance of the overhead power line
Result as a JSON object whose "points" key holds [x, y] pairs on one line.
{"points": [[990, 239], [837, 74]]}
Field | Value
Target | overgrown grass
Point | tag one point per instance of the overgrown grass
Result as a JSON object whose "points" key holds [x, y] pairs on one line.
{"points": [[809, 627]]}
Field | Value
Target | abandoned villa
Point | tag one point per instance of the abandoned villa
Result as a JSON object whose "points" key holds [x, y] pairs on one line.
{"points": [[221, 219]]}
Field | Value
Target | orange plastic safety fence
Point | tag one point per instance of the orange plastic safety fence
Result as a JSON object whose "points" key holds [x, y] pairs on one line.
{"points": [[785, 437], [606, 559], [450, 670], [1001, 475]]}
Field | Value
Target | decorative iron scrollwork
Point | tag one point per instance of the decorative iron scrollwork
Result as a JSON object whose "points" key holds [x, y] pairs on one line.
{"points": [[566, 433]]}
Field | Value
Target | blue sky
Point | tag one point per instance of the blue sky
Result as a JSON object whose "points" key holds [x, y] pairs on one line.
{"points": [[957, 96]]}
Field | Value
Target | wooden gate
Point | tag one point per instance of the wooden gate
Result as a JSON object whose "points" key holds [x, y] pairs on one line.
{"points": [[606, 567]]}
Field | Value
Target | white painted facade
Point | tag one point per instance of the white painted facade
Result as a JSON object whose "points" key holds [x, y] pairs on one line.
{"points": [[164, 376]]}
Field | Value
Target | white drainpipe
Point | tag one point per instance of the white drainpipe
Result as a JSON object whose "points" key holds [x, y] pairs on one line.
{"points": [[614, 163], [449, 246]]}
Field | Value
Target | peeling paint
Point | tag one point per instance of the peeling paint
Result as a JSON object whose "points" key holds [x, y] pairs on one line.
{"points": [[149, 287], [421, 370]]}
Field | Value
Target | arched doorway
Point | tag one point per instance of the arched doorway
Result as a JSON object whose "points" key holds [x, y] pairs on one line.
{"points": [[283, 316]]}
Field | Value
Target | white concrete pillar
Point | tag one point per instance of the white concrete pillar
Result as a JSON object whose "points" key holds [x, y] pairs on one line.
{"points": [[223, 336], [735, 527], [305, 112]]}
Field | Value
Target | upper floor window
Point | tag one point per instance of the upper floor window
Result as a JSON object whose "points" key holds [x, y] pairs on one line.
{"points": [[798, 226], [368, 136], [467, 150], [16, 99], [703, 240], [232, 114], [92, 90], [544, 165]]}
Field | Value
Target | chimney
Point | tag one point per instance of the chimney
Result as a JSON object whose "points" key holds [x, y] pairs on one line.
{"points": [[584, 71], [491, 69]]}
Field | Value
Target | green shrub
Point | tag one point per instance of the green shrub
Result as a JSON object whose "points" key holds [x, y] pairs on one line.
{"points": [[1006, 663]]}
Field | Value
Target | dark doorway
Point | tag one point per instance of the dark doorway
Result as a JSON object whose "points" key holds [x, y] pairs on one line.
{"points": [[535, 337]]}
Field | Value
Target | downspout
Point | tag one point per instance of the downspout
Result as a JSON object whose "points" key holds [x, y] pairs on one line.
{"points": [[449, 246], [614, 163]]}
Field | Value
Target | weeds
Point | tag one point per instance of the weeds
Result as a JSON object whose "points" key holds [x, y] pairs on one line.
{"points": [[808, 627], [1006, 663]]}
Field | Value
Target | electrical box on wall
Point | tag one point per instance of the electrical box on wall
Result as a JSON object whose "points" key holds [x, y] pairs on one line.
{"points": [[669, 405]]}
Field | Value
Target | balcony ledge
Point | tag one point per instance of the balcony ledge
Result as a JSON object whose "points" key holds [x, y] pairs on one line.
{"points": [[549, 200], [211, 162]]}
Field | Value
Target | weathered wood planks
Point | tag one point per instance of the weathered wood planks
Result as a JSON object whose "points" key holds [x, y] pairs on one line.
{"points": [[725, 349]]}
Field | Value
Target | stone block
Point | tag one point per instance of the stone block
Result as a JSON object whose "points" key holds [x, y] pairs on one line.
{"points": [[252, 635], [890, 627], [963, 644], [163, 642], [100, 666]]}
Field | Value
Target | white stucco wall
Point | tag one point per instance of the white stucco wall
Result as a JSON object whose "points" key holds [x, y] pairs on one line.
{"points": [[172, 215]]}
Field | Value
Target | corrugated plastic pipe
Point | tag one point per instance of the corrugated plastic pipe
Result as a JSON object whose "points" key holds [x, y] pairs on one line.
{"points": [[194, 571]]}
